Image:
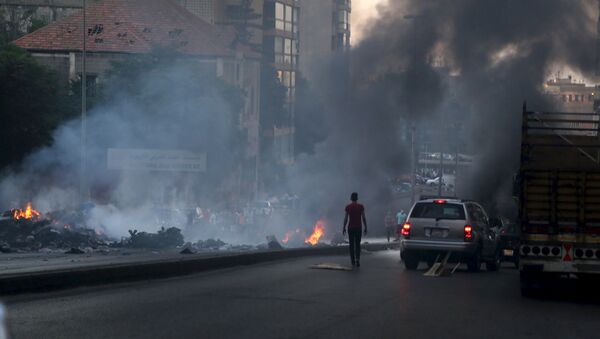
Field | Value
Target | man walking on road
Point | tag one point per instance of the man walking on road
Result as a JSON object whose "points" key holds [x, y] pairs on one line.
{"points": [[354, 219], [400, 219]]}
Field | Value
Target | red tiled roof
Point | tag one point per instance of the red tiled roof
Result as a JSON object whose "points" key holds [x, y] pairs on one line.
{"points": [[133, 26]]}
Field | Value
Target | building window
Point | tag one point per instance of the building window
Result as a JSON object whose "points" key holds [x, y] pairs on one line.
{"points": [[202, 8], [286, 51], [570, 97], [564, 98], [343, 20], [91, 84], [340, 40], [288, 80], [286, 18]]}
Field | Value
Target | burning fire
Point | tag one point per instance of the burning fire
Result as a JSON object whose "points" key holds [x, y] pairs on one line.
{"points": [[27, 213], [317, 233], [288, 236]]}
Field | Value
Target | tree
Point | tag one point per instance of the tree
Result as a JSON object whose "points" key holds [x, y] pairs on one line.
{"points": [[273, 110], [31, 104], [310, 118], [243, 17], [15, 21], [273, 114]]}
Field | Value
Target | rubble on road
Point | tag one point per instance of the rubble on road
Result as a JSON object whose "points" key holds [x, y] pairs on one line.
{"points": [[212, 244], [187, 250], [75, 250], [272, 243], [164, 238], [33, 235]]}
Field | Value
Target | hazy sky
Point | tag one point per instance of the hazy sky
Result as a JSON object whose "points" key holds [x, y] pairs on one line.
{"points": [[362, 11]]}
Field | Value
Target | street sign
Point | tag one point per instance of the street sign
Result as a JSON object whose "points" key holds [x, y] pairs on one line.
{"points": [[155, 160]]}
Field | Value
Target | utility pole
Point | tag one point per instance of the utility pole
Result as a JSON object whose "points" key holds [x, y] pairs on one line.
{"points": [[441, 174], [413, 167], [83, 182], [598, 41]]}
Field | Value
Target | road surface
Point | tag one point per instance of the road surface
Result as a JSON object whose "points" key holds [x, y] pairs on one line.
{"points": [[286, 299]]}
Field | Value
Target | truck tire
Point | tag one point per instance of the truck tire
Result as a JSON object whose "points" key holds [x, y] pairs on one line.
{"points": [[474, 263], [527, 284], [494, 264], [411, 261]]}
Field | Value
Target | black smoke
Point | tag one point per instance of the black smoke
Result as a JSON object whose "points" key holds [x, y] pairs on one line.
{"points": [[418, 61]]}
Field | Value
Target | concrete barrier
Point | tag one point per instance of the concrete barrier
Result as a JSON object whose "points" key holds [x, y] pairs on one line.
{"points": [[105, 274]]}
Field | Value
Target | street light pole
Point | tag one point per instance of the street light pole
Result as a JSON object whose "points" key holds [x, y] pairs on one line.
{"points": [[441, 174], [82, 183], [413, 167]]}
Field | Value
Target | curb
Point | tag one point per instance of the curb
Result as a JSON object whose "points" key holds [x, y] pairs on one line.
{"points": [[156, 269]]}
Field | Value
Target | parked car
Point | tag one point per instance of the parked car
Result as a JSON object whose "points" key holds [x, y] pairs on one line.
{"points": [[509, 237], [434, 181], [437, 226], [420, 180]]}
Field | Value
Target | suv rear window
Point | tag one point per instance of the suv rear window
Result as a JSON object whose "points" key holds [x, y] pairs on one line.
{"points": [[434, 210]]}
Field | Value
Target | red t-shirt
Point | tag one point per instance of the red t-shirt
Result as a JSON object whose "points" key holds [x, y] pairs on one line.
{"points": [[355, 212]]}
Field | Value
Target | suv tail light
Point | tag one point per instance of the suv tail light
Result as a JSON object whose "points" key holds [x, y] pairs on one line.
{"points": [[468, 233], [405, 230]]}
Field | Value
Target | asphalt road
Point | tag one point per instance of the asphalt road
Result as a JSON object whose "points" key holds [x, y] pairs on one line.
{"points": [[286, 299]]}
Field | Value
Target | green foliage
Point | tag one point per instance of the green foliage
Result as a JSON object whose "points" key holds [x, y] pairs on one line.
{"points": [[273, 111], [14, 20], [37, 23], [242, 16], [31, 105], [273, 114]]}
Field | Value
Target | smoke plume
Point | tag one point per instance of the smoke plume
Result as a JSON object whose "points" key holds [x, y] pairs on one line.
{"points": [[467, 64]]}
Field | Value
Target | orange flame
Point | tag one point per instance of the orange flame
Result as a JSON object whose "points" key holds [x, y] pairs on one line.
{"points": [[317, 233], [288, 236], [28, 213]]}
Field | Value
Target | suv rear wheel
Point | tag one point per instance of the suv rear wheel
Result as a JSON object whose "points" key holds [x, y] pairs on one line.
{"points": [[474, 263], [494, 264]]}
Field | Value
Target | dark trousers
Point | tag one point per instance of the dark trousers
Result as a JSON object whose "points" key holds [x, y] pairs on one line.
{"points": [[354, 236]]}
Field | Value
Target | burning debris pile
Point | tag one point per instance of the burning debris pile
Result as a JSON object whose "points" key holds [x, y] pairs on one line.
{"points": [[318, 232], [27, 230], [27, 213], [298, 238]]}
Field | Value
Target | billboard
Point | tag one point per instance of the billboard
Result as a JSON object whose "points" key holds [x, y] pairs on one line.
{"points": [[155, 160]]}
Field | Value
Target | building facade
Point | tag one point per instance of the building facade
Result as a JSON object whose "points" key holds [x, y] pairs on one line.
{"points": [[296, 38], [571, 96], [324, 34]]}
